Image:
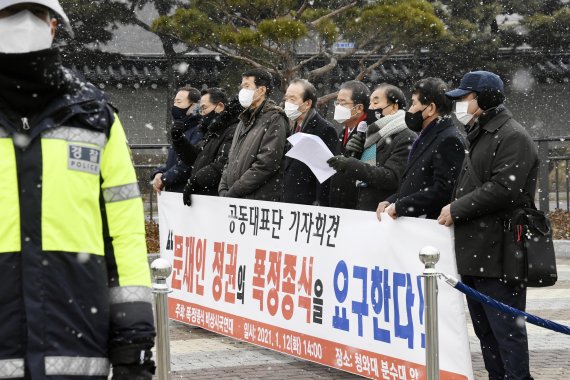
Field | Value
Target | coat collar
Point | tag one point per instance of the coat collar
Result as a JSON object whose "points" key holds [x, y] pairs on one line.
{"points": [[442, 124], [249, 117], [497, 121], [310, 121], [87, 100]]}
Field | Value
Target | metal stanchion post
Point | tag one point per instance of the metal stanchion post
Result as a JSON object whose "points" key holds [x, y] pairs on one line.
{"points": [[430, 256], [161, 269], [150, 199]]}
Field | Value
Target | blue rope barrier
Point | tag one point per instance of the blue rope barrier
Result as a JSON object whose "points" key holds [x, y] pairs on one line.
{"points": [[485, 299]]}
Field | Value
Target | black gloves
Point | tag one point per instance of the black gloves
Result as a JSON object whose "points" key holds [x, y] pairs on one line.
{"points": [[187, 193], [356, 144], [177, 131], [338, 163], [132, 361], [349, 166], [133, 372]]}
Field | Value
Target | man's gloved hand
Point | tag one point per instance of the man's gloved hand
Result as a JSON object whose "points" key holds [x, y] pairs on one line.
{"points": [[355, 144], [223, 193], [177, 131], [338, 163], [187, 193], [133, 372]]}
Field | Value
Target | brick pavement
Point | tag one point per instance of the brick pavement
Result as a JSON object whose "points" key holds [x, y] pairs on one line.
{"points": [[199, 354]]}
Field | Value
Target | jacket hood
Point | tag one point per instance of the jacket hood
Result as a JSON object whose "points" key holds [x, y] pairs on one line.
{"points": [[81, 99]]}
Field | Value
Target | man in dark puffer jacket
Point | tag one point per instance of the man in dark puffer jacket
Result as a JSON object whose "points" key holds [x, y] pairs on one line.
{"points": [[208, 158]]}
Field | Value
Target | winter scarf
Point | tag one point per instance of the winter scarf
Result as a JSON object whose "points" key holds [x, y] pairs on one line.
{"points": [[379, 131]]}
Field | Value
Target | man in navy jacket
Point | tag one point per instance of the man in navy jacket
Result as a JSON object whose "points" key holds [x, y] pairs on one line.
{"points": [[435, 157]]}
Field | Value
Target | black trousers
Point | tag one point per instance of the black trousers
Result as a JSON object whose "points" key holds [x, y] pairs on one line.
{"points": [[503, 338]]}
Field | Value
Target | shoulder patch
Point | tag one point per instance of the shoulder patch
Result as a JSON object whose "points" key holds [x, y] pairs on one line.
{"points": [[83, 159]]}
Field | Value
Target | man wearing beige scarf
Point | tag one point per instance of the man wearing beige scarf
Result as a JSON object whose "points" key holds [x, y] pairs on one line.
{"points": [[383, 152]]}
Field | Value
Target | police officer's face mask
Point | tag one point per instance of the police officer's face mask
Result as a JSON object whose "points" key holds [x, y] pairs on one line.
{"points": [[24, 32]]}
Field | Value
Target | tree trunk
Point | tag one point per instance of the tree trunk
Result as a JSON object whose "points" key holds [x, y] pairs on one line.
{"points": [[170, 55]]}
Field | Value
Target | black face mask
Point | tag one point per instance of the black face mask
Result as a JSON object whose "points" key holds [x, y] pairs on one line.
{"points": [[178, 113], [415, 120], [209, 118], [372, 116]]}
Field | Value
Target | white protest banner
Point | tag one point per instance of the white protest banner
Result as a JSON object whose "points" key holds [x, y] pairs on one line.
{"points": [[333, 286]]}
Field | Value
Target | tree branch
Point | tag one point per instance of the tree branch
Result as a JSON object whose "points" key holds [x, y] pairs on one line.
{"points": [[380, 61], [306, 61], [138, 22], [333, 13], [368, 55], [233, 16], [301, 10], [268, 66], [274, 50], [326, 98], [325, 69]]}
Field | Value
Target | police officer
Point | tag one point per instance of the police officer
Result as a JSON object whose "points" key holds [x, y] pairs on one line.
{"points": [[75, 294]]}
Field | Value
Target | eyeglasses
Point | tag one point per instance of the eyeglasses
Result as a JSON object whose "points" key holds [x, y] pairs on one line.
{"points": [[343, 104]]}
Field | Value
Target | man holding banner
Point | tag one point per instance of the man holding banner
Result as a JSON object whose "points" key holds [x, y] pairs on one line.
{"points": [[255, 161], [498, 175], [435, 158]]}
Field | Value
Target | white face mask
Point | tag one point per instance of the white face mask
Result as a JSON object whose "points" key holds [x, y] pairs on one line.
{"points": [[245, 97], [342, 114], [292, 111], [461, 112], [23, 33]]}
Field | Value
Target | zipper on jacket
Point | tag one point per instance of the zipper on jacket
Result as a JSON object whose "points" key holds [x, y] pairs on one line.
{"points": [[25, 124]]}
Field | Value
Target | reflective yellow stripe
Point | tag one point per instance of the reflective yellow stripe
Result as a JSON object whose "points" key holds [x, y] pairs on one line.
{"points": [[76, 366], [11, 368], [125, 218], [9, 202]]}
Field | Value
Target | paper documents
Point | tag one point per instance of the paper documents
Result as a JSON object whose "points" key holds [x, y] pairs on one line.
{"points": [[312, 151]]}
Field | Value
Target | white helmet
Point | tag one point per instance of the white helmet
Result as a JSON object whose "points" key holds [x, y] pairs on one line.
{"points": [[51, 4]]}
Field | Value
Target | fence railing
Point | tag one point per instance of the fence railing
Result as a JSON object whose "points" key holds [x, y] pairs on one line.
{"points": [[553, 188], [148, 157]]}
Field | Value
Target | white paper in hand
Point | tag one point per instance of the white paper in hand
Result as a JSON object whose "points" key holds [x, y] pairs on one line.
{"points": [[312, 151]]}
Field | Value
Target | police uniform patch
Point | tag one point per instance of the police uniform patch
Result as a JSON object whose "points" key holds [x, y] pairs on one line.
{"points": [[83, 159]]}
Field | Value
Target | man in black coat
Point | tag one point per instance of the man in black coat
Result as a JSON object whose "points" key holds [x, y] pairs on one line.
{"points": [[299, 183], [208, 158], [501, 178], [172, 176], [435, 158]]}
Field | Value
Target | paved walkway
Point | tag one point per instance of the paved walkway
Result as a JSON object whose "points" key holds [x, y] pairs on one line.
{"points": [[199, 354]]}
